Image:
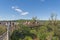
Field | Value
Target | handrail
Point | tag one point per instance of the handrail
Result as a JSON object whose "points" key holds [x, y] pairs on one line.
{"points": [[2, 37]]}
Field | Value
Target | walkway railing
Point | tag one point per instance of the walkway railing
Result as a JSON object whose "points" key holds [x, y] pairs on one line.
{"points": [[3, 36]]}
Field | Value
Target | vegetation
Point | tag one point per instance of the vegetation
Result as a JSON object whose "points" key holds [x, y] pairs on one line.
{"points": [[50, 30], [2, 29]]}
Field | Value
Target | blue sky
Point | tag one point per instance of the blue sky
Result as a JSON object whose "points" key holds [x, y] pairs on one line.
{"points": [[26, 9]]}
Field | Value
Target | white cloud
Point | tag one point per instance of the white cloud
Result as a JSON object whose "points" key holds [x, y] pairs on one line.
{"points": [[16, 9], [19, 10], [24, 13]]}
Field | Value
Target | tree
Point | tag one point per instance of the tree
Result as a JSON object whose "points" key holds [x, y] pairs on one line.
{"points": [[34, 19], [53, 19]]}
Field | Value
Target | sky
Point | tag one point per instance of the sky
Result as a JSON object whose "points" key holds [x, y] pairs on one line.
{"points": [[26, 9]]}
